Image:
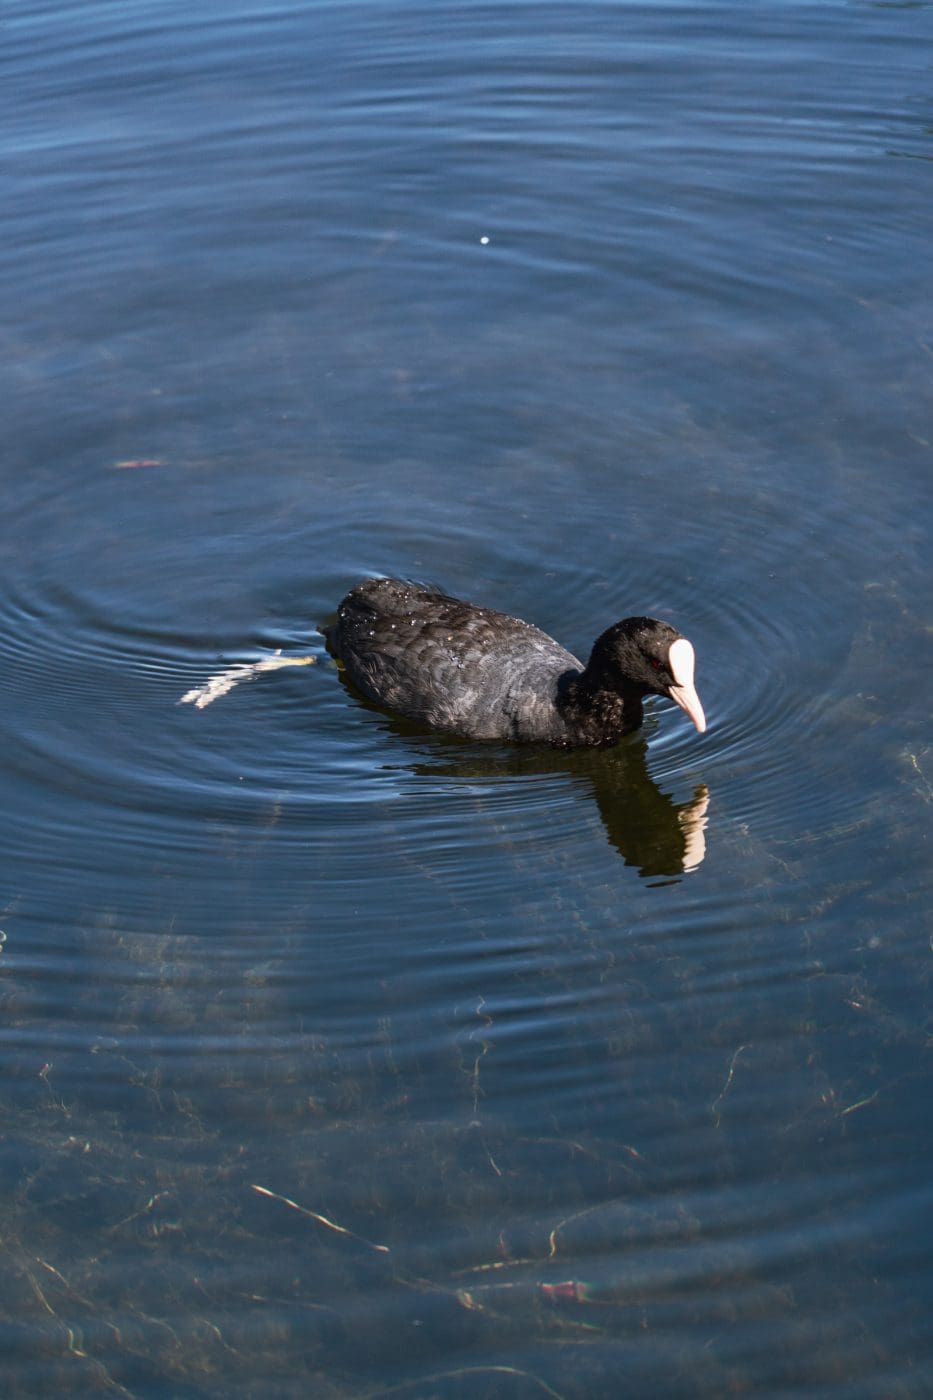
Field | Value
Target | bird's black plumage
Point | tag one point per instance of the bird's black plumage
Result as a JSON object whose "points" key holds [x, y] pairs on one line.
{"points": [[482, 674]]}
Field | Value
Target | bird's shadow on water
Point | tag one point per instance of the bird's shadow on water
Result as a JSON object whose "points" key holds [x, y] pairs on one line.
{"points": [[661, 838]]}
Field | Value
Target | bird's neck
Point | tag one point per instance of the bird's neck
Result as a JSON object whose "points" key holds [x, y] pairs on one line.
{"points": [[603, 710]]}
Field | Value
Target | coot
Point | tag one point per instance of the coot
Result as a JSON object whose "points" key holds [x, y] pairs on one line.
{"points": [[479, 673]]}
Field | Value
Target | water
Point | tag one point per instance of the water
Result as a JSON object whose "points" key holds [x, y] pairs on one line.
{"points": [[531, 1109]]}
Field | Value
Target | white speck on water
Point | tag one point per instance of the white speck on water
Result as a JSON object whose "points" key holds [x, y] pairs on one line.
{"points": [[224, 681], [485, 239]]}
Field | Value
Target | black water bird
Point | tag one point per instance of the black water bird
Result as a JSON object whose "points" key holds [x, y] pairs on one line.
{"points": [[482, 674]]}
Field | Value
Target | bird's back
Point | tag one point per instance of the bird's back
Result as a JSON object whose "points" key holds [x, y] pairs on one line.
{"points": [[455, 666]]}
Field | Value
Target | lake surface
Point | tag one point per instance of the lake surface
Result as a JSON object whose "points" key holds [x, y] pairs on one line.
{"points": [[343, 1060]]}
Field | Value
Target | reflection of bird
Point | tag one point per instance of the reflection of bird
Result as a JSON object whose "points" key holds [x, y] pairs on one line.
{"points": [[657, 836], [648, 829], [693, 820], [484, 675]]}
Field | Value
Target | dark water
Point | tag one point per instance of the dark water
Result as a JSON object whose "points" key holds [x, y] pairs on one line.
{"points": [[589, 1124]]}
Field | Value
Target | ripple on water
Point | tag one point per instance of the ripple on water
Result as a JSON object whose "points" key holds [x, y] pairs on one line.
{"points": [[96, 656]]}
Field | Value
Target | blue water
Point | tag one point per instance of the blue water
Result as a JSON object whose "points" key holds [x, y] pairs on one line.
{"points": [[558, 1074]]}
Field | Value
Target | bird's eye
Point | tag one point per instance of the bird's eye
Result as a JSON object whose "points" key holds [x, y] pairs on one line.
{"points": [[656, 664]]}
